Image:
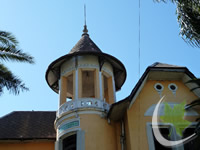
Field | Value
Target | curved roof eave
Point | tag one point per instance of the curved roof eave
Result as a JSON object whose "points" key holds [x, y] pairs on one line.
{"points": [[53, 69]]}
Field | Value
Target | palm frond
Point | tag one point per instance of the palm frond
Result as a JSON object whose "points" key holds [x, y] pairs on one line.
{"points": [[8, 38], [13, 54], [9, 49], [7, 80], [188, 16]]}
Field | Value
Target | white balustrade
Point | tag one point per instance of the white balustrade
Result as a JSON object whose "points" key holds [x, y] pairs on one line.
{"points": [[83, 103]]}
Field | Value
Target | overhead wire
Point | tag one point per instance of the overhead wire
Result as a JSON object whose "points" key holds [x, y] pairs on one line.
{"points": [[139, 39]]}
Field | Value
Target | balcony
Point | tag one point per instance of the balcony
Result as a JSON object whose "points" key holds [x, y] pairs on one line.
{"points": [[83, 103]]}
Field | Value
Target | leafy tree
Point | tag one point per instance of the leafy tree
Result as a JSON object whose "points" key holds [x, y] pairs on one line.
{"points": [[188, 16], [9, 51]]}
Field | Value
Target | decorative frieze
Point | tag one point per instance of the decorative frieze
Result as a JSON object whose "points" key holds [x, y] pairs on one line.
{"points": [[83, 103]]}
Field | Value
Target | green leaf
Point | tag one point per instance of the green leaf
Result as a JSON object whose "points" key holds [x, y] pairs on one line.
{"points": [[175, 116]]}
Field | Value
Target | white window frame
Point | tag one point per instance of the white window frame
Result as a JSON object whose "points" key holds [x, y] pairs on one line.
{"points": [[80, 140], [150, 137]]}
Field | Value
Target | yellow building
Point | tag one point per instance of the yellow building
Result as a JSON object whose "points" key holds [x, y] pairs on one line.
{"points": [[89, 116]]}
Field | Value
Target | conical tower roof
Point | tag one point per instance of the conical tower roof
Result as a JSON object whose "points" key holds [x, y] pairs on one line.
{"points": [[85, 46]]}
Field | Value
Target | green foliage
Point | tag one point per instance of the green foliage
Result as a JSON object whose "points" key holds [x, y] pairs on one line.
{"points": [[175, 116], [11, 82], [188, 16], [9, 51]]}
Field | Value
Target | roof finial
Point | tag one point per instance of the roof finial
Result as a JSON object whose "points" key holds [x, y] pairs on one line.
{"points": [[85, 30]]}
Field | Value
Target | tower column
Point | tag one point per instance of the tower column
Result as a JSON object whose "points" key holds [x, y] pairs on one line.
{"points": [[100, 86], [76, 84], [114, 90], [96, 83]]}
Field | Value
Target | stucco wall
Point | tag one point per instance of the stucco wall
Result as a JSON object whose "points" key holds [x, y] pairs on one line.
{"points": [[135, 121], [99, 134], [117, 134], [31, 145]]}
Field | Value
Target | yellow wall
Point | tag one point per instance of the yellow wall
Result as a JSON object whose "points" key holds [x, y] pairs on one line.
{"points": [[31, 145], [99, 135], [117, 134], [135, 121]]}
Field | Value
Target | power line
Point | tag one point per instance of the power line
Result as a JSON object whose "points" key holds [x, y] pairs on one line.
{"points": [[139, 42], [84, 14]]}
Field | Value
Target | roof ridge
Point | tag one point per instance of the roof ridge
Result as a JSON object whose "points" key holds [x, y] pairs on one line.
{"points": [[154, 64], [7, 115], [13, 112], [164, 65]]}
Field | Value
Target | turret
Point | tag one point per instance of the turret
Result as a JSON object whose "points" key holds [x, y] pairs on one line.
{"points": [[86, 80]]}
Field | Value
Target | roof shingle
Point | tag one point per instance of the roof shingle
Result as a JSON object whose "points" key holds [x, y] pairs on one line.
{"points": [[85, 44], [27, 125]]}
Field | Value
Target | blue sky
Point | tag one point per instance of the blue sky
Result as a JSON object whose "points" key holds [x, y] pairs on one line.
{"points": [[48, 29]]}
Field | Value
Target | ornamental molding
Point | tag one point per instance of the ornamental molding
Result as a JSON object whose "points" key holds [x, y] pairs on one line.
{"points": [[82, 104], [65, 116]]}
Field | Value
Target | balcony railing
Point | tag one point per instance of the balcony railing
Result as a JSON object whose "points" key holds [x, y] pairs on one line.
{"points": [[83, 103]]}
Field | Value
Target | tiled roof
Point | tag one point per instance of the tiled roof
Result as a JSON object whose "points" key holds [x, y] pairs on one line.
{"points": [[27, 125], [85, 44]]}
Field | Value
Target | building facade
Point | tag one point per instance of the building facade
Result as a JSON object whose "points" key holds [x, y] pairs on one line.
{"points": [[89, 116]]}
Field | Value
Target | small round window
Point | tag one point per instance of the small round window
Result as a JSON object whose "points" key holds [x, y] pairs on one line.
{"points": [[172, 87], [159, 87]]}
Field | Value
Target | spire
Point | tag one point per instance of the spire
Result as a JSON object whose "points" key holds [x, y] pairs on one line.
{"points": [[85, 30]]}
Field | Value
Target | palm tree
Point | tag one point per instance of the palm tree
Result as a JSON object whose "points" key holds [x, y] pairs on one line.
{"points": [[9, 52], [188, 16]]}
